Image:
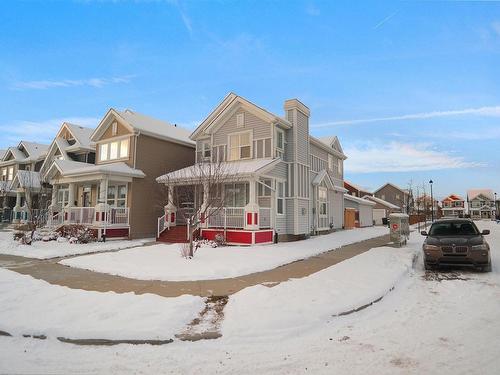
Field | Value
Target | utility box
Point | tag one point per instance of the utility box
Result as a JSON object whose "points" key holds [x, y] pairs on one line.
{"points": [[400, 228]]}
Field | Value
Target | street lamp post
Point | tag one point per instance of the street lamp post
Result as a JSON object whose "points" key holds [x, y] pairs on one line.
{"points": [[496, 206], [432, 202]]}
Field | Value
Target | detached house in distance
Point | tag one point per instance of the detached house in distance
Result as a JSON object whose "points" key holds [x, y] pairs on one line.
{"points": [[394, 195], [283, 180], [26, 156], [105, 179], [481, 203], [453, 206]]}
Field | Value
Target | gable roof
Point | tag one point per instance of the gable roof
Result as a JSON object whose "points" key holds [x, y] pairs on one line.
{"points": [[33, 152], [333, 147], [356, 187], [230, 101], [81, 135], [474, 193], [452, 197], [382, 202], [404, 191], [27, 180], [142, 124], [333, 141], [2, 154]]}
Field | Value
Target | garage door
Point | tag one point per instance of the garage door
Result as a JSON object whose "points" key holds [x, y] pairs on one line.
{"points": [[378, 214]]}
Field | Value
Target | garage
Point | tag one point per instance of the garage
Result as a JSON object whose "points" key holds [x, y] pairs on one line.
{"points": [[363, 210]]}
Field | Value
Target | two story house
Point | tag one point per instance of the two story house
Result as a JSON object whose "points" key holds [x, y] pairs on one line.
{"points": [[355, 190], [283, 182], [453, 206], [105, 178], [26, 156], [394, 195], [481, 203]]}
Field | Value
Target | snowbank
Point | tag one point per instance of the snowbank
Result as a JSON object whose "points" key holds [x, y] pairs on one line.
{"points": [[30, 306], [293, 307], [163, 262], [54, 249]]}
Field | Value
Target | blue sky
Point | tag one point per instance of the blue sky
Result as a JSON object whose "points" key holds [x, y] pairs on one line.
{"points": [[424, 77]]}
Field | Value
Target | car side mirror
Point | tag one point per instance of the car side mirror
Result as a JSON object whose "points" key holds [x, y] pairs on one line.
{"points": [[423, 233], [485, 232]]}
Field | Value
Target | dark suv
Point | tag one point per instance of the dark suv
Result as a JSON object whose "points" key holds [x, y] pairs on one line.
{"points": [[456, 242]]}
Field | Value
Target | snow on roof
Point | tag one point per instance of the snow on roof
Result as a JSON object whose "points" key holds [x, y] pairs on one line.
{"points": [[474, 193], [229, 169], [35, 150], [382, 202], [359, 200], [155, 127], [82, 135], [357, 187], [16, 153], [2, 154], [71, 168], [453, 197], [27, 179]]}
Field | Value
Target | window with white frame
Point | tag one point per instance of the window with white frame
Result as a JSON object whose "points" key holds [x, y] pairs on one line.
{"points": [[236, 195], [280, 198], [206, 150], [114, 128], [330, 162], [114, 150], [240, 146], [280, 143], [4, 174], [264, 189], [62, 197], [322, 200], [262, 148], [10, 175], [117, 195]]}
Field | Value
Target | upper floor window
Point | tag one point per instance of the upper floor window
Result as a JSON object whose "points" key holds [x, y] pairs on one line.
{"points": [[330, 162], [10, 175], [240, 146], [206, 150], [114, 128], [322, 197], [114, 150], [280, 143], [4, 174], [397, 196]]}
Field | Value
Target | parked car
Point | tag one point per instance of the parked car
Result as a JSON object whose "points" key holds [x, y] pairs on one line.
{"points": [[456, 242]]}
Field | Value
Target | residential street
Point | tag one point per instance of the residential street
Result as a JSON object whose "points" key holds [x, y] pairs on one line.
{"points": [[432, 322]]}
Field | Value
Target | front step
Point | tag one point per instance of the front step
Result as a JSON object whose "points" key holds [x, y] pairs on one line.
{"points": [[177, 234]]}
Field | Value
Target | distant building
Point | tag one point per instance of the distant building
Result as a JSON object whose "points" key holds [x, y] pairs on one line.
{"points": [[453, 206], [395, 195], [481, 203], [355, 190]]}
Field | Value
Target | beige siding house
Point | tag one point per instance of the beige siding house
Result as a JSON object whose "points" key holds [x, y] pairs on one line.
{"points": [[286, 182], [114, 190]]}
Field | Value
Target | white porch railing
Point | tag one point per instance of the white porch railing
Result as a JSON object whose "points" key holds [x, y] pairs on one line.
{"points": [[115, 216], [226, 217], [264, 217], [161, 226]]}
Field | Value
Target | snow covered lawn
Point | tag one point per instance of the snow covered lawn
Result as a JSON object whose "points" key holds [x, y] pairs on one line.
{"points": [[54, 249], [163, 262], [34, 307]]}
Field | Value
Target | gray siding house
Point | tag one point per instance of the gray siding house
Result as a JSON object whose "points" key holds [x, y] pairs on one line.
{"points": [[286, 182]]}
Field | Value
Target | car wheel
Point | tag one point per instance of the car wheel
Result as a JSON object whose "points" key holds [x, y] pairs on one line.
{"points": [[487, 268]]}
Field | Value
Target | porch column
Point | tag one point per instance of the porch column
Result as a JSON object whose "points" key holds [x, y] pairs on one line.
{"points": [[170, 209], [17, 208], [53, 203], [252, 208], [206, 198], [101, 209], [71, 194]]}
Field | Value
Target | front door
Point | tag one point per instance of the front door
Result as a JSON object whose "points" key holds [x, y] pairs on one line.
{"points": [[87, 196]]}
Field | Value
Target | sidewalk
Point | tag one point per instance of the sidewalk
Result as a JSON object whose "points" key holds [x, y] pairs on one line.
{"points": [[54, 273]]}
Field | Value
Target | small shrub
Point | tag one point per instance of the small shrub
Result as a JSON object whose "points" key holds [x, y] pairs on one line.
{"points": [[77, 233], [220, 240], [18, 235]]}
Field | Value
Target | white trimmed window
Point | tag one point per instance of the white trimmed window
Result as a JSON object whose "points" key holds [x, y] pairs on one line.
{"points": [[280, 198], [240, 146], [206, 150], [114, 150], [330, 162], [4, 174], [114, 128], [62, 197], [117, 195], [264, 189], [10, 175], [280, 143], [322, 197]]}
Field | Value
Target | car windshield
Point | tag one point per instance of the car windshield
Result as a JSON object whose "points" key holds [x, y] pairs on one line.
{"points": [[453, 229]]}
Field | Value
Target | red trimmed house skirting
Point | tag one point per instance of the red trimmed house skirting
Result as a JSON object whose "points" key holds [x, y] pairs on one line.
{"points": [[240, 236]]}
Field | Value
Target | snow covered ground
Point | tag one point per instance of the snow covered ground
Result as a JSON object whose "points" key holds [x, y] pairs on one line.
{"points": [[53, 249], [163, 262], [431, 323], [34, 307]]}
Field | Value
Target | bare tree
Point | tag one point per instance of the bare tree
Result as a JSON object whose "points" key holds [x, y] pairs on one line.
{"points": [[36, 194], [197, 193]]}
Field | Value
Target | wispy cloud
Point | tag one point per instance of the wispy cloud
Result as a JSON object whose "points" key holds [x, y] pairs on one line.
{"points": [[401, 157], [385, 20], [90, 82], [493, 111], [39, 131]]}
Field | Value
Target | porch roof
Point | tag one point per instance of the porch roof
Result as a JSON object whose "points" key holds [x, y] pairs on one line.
{"points": [[229, 170], [69, 168], [358, 200], [27, 180]]}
